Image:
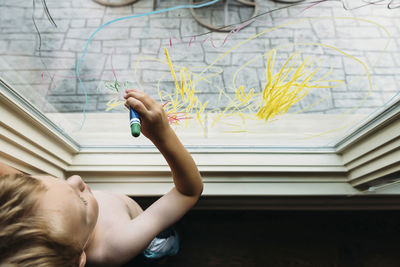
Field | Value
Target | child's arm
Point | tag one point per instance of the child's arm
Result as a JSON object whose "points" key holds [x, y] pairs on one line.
{"points": [[134, 237], [155, 126]]}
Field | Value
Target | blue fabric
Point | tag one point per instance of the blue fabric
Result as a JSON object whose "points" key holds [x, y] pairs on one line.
{"points": [[164, 243]]}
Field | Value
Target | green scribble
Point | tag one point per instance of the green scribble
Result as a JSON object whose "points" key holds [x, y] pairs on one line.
{"points": [[116, 86]]}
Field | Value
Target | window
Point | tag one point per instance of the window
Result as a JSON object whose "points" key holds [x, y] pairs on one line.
{"points": [[290, 88]]}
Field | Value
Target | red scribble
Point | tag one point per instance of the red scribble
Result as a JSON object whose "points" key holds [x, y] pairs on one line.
{"points": [[176, 117]]}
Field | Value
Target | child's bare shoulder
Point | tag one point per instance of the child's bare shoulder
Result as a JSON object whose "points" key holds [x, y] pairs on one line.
{"points": [[111, 203], [115, 210]]}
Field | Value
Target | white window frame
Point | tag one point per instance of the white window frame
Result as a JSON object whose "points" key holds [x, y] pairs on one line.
{"points": [[31, 142]]}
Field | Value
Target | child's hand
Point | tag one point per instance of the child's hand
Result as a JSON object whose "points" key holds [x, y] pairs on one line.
{"points": [[154, 122]]}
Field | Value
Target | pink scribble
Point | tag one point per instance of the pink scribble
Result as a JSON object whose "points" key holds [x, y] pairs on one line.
{"points": [[112, 67], [193, 39], [49, 74], [314, 4], [46, 90], [175, 117]]}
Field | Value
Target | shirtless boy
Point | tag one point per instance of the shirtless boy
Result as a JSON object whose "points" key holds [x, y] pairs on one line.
{"points": [[53, 222]]}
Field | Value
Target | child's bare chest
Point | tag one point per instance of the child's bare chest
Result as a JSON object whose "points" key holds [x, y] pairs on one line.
{"points": [[112, 209]]}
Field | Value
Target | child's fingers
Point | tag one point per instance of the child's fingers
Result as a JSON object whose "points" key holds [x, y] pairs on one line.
{"points": [[142, 97], [137, 105], [127, 91]]}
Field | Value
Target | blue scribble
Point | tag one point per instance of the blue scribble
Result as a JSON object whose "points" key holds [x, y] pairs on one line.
{"points": [[120, 19]]}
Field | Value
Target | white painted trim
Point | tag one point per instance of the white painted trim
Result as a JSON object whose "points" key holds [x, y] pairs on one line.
{"points": [[19, 114], [234, 189], [225, 183], [377, 140], [18, 164], [27, 138], [373, 176], [370, 127], [376, 153], [35, 145], [217, 162]]}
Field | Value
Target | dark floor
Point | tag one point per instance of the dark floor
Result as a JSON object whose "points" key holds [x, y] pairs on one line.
{"points": [[288, 238]]}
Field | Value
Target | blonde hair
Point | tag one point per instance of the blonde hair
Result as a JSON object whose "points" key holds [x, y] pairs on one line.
{"points": [[26, 238]]}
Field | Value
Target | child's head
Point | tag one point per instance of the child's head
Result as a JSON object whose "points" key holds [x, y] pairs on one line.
{"points": [[44, 221]]}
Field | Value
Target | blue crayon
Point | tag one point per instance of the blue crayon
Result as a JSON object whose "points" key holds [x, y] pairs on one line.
{"points": [[134, 122]]}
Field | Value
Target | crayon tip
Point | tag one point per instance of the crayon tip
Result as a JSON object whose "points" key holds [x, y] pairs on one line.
{"points": [[134, 122], [135, 129]]}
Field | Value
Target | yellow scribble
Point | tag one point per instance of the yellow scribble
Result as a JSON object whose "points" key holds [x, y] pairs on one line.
{"points": [[184, 99], [282, 90], [113, 103], [240, 94]]}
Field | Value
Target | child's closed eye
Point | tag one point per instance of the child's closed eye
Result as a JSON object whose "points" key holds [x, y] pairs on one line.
{"points": [[84, 201]]}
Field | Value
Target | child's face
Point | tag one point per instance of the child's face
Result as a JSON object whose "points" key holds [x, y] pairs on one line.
{"points": [[71, 205]]}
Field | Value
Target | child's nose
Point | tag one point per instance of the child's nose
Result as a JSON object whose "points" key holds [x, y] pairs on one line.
{"points": [[77, 182]]}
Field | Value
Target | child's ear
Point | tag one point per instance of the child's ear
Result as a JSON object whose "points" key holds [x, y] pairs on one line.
{"points": [[82, 259]]}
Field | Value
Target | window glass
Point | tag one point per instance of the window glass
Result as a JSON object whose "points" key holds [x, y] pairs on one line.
{"points": [[292, 75]]}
